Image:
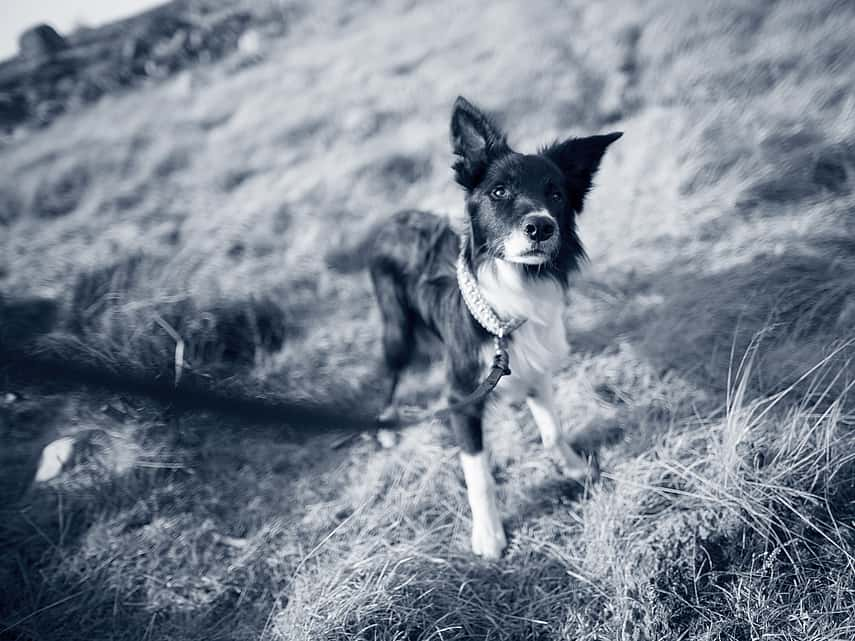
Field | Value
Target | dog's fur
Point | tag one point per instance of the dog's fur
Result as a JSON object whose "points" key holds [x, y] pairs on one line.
{"points": [[520, 242]]}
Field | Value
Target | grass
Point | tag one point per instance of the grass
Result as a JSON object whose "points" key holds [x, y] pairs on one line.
{"points": [[712, 336], [675, 542]]}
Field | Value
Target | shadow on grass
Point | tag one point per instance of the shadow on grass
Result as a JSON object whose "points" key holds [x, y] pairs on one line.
{"points": [[175, 545], [794, 307], [166, 547]]}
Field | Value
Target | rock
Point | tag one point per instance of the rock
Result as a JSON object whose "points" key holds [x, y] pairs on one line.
{"points": [[41, 41], [52, 75], [53, 459]]}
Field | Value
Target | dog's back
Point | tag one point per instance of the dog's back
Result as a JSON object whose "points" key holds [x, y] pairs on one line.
{"points": [[401, 240], [411, 258]]}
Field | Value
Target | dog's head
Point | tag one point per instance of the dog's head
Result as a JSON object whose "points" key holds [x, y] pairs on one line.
{"points": [[522, 208]]}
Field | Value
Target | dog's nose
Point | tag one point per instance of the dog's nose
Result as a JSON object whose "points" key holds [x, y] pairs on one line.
{"points": [[538, 227]]}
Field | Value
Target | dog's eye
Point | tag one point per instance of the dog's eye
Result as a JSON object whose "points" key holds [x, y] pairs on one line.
{"points": [[556, 196], [499, 193]]}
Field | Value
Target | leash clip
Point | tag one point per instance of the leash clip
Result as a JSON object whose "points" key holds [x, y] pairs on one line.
{"points": [[500, 359]]}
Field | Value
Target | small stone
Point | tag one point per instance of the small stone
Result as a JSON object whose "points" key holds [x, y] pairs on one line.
{"points": [[54, 457], [41, 41]]}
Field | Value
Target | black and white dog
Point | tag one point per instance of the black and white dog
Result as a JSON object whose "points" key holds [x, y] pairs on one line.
{"points": [[511, 263]]}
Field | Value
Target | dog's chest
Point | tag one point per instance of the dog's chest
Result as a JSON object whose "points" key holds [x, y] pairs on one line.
{"points": [[539, 345]]}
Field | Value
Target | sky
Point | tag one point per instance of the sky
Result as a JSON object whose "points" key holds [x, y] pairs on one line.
{"points": [[62, 15]]}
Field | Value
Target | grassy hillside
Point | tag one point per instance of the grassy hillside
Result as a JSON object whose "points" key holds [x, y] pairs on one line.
{"points": [[712, 335]]}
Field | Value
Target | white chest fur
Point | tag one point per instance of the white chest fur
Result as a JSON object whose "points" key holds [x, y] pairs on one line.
{"points": [[539, 345]]}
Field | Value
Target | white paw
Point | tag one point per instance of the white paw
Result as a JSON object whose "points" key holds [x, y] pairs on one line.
{"points": [[488, 539], [387, 438]]}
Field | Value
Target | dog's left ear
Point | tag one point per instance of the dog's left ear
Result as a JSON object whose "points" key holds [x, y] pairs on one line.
{"points": [[578, 159]]}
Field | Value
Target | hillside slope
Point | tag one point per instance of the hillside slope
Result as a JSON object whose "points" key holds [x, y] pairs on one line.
{"points": [[711, 335]]}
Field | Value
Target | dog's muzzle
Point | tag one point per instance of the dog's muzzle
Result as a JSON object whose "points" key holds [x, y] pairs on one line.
{"points": [[534, 242]]}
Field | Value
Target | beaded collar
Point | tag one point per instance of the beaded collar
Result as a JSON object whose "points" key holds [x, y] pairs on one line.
{"points": [[478, 305]]}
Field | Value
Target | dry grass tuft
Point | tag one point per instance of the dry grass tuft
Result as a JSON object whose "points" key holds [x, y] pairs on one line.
{"points": [[109, 315], [760, 500]]}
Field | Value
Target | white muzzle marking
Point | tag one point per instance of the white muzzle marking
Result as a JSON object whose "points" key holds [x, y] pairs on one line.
{"points": [[517, 247]]}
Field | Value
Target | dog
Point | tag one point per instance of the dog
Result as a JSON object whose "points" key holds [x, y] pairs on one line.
{"points": [[510, 263]]}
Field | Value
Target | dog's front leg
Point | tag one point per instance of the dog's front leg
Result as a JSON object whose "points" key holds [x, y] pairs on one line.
{"points": [[541, 403], [488, 534]]}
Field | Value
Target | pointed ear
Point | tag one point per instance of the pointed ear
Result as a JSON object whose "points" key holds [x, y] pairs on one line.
{"points": [[578, 159], [475, 138]]}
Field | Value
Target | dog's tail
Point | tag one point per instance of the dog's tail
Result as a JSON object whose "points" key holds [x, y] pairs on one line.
{"points": [[353, 258]]}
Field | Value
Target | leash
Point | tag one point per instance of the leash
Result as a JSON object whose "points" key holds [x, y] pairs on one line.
{"points": [[487, 318], [404, 417], [32, 365]]}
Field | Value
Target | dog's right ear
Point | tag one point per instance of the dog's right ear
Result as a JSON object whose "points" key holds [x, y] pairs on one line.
{"points": [[475, 138], [578, 159]]}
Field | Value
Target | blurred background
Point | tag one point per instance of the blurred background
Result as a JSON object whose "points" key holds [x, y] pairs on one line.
{"points": [[64, 17], [173, 177]]}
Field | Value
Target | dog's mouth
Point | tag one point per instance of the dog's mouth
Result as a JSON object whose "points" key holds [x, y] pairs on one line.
{"points": [[534, 256], [519, 249]]}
